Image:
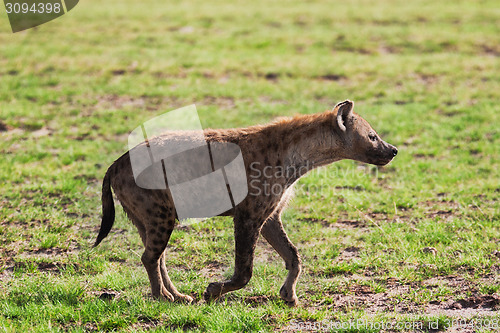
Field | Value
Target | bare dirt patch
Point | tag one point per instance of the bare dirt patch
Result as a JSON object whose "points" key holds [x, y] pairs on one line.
{"points": [[257, 300], [53, 267], [314, 220], [352, 188], [349, 253], [423, 156], [3, 127], [463, 301], [50, 260], [222, 102], [119, 102], [473, 306], [146, 323], [213, 269], [270, 76], [448, 113], [331, 77], [491, 50], [478, 302], [264, 252], [350, 224], [44, 131]]}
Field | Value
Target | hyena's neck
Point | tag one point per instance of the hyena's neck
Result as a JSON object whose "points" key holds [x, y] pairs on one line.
{"points": [[305, 143]]}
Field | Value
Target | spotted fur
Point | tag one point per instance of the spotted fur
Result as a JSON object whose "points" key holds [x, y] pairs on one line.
{"points": [[296, 145]]}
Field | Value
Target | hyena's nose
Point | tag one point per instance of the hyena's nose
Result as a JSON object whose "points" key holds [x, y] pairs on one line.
{"points": [[394, 151]]}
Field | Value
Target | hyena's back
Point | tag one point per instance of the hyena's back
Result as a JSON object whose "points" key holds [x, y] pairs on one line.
{"points": [[154, 209]]}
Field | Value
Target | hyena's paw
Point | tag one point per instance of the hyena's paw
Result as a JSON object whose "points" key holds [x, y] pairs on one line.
{"points": [[289, 297], [164, 295], [213, 291], [181, 298]]}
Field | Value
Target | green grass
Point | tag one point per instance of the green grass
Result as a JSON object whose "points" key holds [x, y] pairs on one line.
{"points": [[424, 74]]}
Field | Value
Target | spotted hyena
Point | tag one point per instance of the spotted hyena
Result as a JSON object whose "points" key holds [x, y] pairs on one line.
{"points": [[292, 145]]}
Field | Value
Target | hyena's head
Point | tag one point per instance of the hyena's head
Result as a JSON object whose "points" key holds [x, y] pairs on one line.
{"points": [[359, 139]]}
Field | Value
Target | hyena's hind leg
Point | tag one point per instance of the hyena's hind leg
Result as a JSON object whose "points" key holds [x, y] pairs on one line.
{"points": [[153, 257], [178, 297], [155, 245], [273, 232], [166, 283]]}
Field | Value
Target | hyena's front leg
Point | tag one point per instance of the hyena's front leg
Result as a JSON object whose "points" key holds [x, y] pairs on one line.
{"points": [[246, 233], [274, 233]]}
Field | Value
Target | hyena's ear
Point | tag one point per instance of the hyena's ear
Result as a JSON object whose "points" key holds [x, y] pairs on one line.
{"points": [[344, 110]]}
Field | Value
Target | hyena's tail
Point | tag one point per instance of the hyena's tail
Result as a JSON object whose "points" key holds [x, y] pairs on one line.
{"points": [[108, 210]]}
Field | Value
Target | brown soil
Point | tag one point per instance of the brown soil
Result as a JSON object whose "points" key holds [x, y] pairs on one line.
{"points": [[3, 127], [397, 298]]}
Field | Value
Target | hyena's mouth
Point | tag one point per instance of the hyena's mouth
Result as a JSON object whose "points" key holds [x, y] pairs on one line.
{"points": [[382, 162], [383, 159]]}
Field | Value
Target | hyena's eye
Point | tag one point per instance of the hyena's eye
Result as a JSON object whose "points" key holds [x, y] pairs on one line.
{"points": [[372, 137]]}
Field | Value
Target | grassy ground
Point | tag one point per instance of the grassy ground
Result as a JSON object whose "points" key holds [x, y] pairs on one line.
{"points": [[415, 242]]}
